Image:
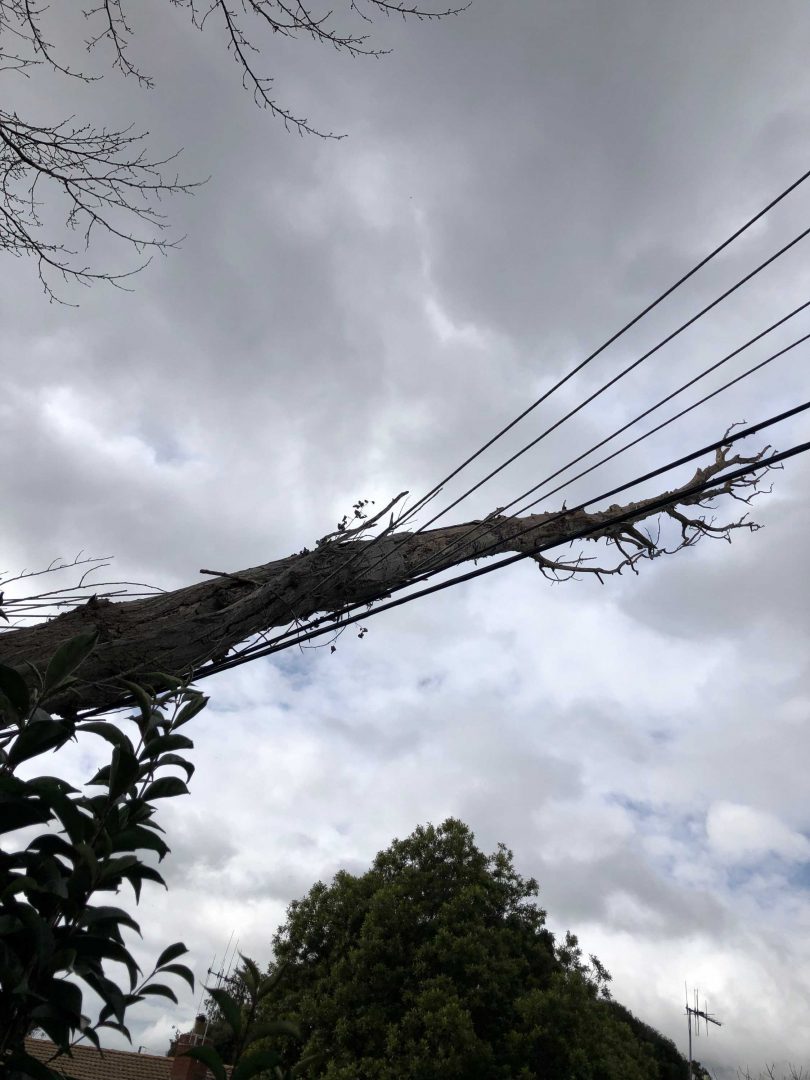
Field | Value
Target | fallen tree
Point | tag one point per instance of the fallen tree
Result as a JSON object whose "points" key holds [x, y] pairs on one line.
{"points": [[182, 631]]}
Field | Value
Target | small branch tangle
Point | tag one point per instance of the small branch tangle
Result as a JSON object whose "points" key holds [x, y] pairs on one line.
{"points": [[104, 180]]}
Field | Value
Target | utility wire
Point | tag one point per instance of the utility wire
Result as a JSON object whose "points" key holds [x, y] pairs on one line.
{"points": [[588, 359], [341, 619], [597, 393], [611, 382], [480, 525], [615, 337], [617, 378], [607, 523]]}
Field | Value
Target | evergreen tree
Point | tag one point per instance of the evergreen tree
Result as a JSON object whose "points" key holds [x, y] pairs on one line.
{"points": [[437, 964]]}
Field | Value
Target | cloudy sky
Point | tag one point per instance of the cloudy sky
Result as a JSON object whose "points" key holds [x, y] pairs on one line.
{"points": [[351, 318]]}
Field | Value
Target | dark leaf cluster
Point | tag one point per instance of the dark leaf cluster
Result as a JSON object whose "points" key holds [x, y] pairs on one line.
{"points": [[65, 848], [436, 964], [247, 1037]]}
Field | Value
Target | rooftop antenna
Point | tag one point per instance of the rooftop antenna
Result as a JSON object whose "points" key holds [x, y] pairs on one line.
{"points": [[222, 976], [698, 1014], [202, 987]]}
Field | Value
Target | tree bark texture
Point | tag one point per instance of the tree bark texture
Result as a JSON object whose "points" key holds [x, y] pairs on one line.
{"points": [[180, 631]]}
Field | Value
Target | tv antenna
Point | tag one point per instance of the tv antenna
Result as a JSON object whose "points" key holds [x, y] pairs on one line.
{"points": [[695, 1011], [223, 976]]}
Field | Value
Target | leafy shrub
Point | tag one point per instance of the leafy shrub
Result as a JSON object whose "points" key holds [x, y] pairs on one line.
{"points": [[54, 935]]}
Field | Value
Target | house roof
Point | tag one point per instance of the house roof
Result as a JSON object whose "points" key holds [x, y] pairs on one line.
{"points": [[87, 1063]]}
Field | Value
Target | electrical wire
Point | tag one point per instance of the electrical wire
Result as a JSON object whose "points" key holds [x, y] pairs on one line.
{"points": [[340, 620], [617, 378], [582, 534], [478, 526], [615, 337], [421, 574], [597, 393]]}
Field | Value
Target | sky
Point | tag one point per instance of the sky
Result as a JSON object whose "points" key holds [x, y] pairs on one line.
{"points": [[350, 318]]}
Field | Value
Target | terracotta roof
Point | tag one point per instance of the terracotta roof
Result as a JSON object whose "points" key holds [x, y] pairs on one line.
{"points": [[87, 1063]]}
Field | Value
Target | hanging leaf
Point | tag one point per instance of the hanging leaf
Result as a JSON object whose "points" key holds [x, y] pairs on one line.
{"points": [[165, 742], [229, 1009], [181, 971], [190, 709], [68, 658], [14, 687], [109, 732], [165, 788], [171, 952]]}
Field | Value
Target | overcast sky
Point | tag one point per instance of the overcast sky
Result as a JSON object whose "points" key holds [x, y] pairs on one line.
{"points": [[351, 318]]}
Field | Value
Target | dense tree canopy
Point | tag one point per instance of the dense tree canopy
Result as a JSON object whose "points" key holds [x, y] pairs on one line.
{"points": [[437, 963]]}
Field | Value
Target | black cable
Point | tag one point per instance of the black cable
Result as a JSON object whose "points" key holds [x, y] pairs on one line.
{"points": [[582, 534], [336, 620], [617, 378], [619, 333], [561, 382], [478, 526], [666, 423]]}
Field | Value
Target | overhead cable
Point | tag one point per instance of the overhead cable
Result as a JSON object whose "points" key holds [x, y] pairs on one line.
{"points": [[615, 337], [338, 620], [479, 525]]}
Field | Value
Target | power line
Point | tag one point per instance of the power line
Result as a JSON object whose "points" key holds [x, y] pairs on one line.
{"points": [[337, 621], [615, 337], [478, 526], [727, 440], [617, 378]]}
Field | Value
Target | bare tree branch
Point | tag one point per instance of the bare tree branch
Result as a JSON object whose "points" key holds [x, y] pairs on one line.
{"points": [[104, 180]]}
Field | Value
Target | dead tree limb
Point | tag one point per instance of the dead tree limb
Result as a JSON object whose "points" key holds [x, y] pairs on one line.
{"points": [[180, 631]]}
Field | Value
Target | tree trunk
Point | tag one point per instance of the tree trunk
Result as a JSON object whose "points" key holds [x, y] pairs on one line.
{"points": [[178, 632]]}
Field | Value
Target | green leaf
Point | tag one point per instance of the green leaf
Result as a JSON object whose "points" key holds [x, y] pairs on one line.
{"points": [[208, 1056], [307, 1062], [67, 998], [159, 990], [57, 1030], [106, 914], [17, 816], [109, 732], [171, 952], [18, 885], [114, 1002], [15, 689], [9, 714], [145, 702], [250, 973], [181, 971], [139, 838], [115, 1027], [38, 735], [165, 788], [190, 709], [123, 771], [91, 1036], [272, 980], [166, 742], [252, 1064], [229, 1009], [67, 659], [160, 680], [137, 874], [175, 759]]}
